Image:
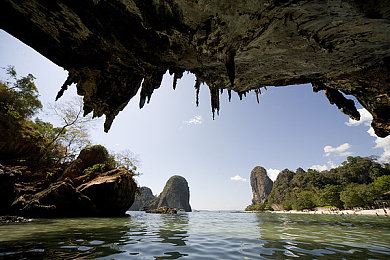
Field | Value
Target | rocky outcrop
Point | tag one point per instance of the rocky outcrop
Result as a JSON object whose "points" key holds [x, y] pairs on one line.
{"points": [[162, 210], [340, 46], [60, 199], [261, 185], [176, 194], [144, 199], [96, 154], [112, 192], [106, 194]]}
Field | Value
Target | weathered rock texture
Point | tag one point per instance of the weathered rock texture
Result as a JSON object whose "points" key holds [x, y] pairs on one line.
{"points": [[144, 200], [176, 194], [106, 194], [112, 192], [261, 185], [89, 156], [111, 47]]}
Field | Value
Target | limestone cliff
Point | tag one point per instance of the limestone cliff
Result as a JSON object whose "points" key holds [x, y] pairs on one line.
{"points": [[280, 186], [144, 199], [176, 194], [261, 185], [113, 48]]}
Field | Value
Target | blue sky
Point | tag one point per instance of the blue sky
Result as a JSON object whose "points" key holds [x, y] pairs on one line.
{"points": [[291, 127]]}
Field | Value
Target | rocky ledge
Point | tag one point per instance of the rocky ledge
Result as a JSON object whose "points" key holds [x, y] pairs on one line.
{"points": [[113, 48], [74, 192]]}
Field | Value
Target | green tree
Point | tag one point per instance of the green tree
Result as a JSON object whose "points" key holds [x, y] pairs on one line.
{"points": [[330, 196], [18, 97], [305, 200], [358, 195], [382, 184]]}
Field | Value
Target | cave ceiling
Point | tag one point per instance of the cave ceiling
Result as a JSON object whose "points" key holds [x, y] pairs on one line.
{"points": [[111, 48]]}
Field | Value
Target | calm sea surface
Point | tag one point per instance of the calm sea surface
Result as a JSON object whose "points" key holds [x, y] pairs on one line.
{"points": [[199, 235]]}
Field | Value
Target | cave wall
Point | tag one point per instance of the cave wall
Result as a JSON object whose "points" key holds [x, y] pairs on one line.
{"points": [[113, 48]]}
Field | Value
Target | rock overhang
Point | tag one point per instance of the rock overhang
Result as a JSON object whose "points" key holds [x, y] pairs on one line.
{"points": [[113, 48]]}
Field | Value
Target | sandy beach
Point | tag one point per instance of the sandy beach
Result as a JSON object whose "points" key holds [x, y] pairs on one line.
{"points": [[377, 212]]}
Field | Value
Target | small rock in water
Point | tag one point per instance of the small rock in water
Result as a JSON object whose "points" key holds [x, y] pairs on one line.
{"points": [[162, 210]]}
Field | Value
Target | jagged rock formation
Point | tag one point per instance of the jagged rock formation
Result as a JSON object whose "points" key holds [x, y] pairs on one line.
{"points": [[144, 200], [261, 185], [111, 47], [176, 194]]}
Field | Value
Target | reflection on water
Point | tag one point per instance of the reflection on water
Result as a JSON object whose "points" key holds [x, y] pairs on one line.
{"points": [[199, 235]]}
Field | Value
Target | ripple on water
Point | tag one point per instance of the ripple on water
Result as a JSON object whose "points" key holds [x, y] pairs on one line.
{"points": [[201, 235]]}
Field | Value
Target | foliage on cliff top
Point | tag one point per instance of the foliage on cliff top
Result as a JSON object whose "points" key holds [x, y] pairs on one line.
{"points": [[356, 183]]}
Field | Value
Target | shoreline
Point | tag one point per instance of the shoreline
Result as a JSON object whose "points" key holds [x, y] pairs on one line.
{"points": [[365, 212]]}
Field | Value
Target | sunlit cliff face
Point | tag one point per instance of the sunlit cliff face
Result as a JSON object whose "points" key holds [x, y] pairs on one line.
{"points": [[113, 48]]}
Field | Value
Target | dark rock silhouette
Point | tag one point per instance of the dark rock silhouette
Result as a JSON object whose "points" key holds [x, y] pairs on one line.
{"points": [[8, 178], [176, 194], [112, 192], [261, 185], [341, 47]]}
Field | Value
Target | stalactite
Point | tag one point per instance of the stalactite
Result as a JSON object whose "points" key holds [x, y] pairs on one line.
{"points": [[151, 82], [257, 95], [240, 94], [197, 87], [70, 79], [177, 75], [214, 95], [230, 66], [230, 95]]}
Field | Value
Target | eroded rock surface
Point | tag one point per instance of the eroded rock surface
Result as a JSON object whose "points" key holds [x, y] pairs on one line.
{"points": [[111, 47], [176, 194], [106, 194], [112, 192], [261, 185]]}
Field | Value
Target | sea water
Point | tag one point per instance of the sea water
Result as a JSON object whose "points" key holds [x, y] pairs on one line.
{"points": [[199, 235]]}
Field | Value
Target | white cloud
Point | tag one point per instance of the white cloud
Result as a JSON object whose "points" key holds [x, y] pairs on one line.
{"points": [[365, 118], [383, 143], [197, 120], [341, 150], [319, 168], [238, 178], [329, 165], [273, 173], [332, 164]]}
